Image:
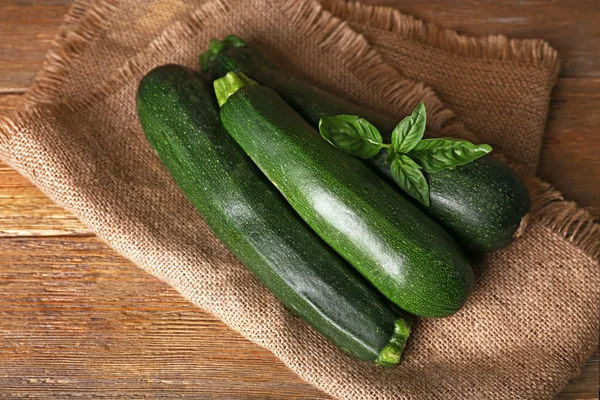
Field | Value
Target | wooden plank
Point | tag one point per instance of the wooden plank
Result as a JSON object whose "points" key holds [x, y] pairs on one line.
{"points": [[9, 102], [27, 29], [25, 211], [586, 385], [569, 26], [77, 318], [571, 146]]}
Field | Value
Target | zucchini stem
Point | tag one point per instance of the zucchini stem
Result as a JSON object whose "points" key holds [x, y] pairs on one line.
{"points": [[391, 353], [229, 84]]}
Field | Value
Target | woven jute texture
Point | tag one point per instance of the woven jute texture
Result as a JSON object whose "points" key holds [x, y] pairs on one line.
{"points": [[533, 318]]}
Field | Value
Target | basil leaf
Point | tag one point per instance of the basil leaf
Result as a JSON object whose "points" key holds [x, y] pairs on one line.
{"points": [[409, 177], [410, 130], [351, 134], [437, 154]]}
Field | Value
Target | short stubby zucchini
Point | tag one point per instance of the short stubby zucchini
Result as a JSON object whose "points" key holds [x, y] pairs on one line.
{"points": [[399, 249], [484, 204], [180, 118]]}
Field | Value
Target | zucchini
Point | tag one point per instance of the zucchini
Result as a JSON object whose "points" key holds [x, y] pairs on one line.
{"points": [[180, 118], [483, 204], [401, 251]]}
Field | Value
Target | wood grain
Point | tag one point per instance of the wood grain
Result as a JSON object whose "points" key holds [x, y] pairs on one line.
{"points": [[586, 385], [27, 29], [79, 321], [9, 102], [25, 211], [569, 159]]}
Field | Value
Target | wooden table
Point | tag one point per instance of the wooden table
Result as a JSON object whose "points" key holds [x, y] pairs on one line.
{"points": [[77, 320]]}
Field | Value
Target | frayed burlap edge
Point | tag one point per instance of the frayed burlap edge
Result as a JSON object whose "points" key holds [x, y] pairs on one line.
{"points": [[548, 206], [202, 18], [74, 15], [491, 47], [87, 21], [566, 218]]}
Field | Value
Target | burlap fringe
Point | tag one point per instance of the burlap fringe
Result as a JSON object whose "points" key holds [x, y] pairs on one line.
{"points": [[492, 47], [71, 45], [206, 15], [548, 206], [564, 217], [7, 126], [76, 12]]}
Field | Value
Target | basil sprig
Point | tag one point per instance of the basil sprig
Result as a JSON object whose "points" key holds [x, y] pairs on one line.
{"points": [[409, 155]]}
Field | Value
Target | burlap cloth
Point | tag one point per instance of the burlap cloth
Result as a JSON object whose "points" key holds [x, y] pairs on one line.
{"points": [[533, 319]]}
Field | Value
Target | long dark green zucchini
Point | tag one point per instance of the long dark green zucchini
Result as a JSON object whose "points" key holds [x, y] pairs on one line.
{"points": [[180, 117], [484, 204], [405, 254]]}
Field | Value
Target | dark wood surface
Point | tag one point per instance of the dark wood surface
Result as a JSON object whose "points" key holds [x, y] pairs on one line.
{"points": [[77, 320]]}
